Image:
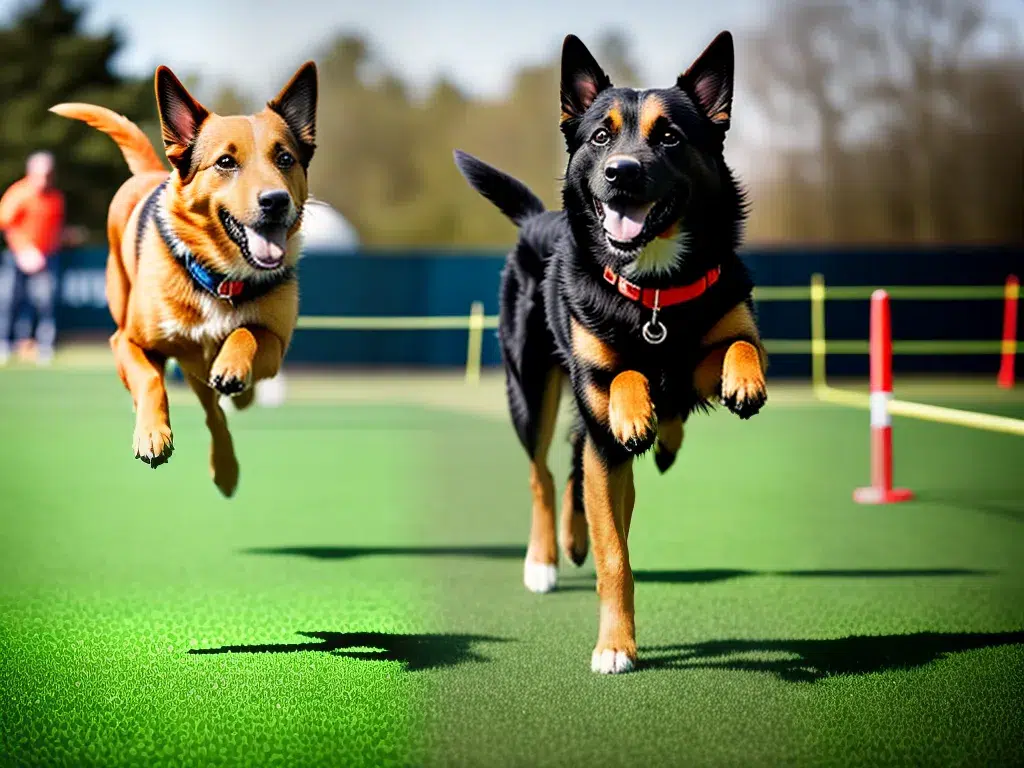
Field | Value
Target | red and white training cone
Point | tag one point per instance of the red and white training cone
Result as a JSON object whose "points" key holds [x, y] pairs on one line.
{"points": [[881, 491], [1009, 350]]}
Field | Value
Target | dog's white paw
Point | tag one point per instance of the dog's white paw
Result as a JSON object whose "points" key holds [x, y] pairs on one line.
{"points": [[539, 577], [609, 662]]}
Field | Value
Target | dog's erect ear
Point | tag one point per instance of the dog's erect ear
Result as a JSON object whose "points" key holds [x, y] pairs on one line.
{"points": [[709, 79], [582, 79], [180, 119], [296, 104]]}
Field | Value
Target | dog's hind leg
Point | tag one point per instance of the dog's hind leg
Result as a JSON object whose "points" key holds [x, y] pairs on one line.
{"points": [[540, 567], [244, 399], [572, 535], [670, 440], [223, 463], [533, 384]]}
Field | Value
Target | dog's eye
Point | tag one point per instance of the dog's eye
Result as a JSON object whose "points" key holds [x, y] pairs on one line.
{"points": [[227, 163], [670, 137], [285, 160], [600, 137]]}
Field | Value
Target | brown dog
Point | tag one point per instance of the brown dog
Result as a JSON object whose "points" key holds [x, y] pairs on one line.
{"points": [[202, 260]]}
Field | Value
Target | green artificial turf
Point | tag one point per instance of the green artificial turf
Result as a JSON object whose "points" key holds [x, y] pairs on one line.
{"points": [[778, 622]]}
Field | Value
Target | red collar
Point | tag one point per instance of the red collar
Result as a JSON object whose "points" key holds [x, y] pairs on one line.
{"points": [[659, 298]]}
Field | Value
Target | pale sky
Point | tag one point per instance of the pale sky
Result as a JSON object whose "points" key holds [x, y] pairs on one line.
{"points": [[478, 44]]}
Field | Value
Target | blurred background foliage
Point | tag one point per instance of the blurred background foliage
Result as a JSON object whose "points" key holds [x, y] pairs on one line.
{"points": [[886, 123]]}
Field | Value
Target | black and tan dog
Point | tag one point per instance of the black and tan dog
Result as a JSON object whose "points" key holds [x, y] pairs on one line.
{"points": [[202, 259], [635, 292]]}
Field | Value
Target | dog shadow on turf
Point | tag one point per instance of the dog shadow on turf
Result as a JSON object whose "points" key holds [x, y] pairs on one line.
{"points": [[807, 661], [416, 652], [641, 575], [484, 551]]}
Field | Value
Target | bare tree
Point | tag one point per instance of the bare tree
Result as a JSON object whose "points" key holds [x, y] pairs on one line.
{"points": [[888, 91], [804, 65]]}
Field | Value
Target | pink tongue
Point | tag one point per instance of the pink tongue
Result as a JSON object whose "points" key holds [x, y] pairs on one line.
{"points": [[267, 249], [626, 222]]}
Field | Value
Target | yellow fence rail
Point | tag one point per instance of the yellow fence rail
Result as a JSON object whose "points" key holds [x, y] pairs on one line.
{"points": [[863, 293], [820, 347], [476, 322]]}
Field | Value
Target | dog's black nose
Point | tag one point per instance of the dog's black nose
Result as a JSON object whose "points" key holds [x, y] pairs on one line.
{"points": [[275, 202], [622, 170]]}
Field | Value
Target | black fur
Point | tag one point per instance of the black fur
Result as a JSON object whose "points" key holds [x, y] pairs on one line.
{"points": [[510, 195], [663, 458], [554, 273], [576, 439]]}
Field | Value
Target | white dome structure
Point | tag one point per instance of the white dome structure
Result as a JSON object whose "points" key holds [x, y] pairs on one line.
{"points": [[324, 229]]}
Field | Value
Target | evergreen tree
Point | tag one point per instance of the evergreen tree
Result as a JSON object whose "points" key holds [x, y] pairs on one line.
{"points": [[45, 59]]}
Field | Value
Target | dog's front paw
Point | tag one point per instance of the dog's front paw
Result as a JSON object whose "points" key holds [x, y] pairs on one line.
{"points": [[153, 443], [631, 412], [743, 385], [229, 380], [612, 661]]}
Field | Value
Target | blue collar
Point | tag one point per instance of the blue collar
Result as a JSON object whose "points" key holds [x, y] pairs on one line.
{"points": [[213, 282]]}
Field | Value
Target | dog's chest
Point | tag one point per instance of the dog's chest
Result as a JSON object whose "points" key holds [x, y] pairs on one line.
{"points": [[215, 322]]}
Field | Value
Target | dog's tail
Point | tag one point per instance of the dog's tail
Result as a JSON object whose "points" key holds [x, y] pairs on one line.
{"points": [[136, 147], [512, 197]]}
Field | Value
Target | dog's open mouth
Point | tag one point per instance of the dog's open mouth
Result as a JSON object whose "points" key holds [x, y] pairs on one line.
{"points": [[630, 225], [263, 248]]}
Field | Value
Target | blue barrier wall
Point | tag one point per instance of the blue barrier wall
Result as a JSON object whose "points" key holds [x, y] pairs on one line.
{"points": [[447, 283]]}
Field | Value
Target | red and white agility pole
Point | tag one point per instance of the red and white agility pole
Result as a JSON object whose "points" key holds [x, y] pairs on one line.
{"points": [[1006, 373], [881, 490]]}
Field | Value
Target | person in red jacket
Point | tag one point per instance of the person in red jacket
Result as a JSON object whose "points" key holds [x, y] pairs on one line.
{"points": [[32, 221]]}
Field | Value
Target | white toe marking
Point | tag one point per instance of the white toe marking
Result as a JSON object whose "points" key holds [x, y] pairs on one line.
{"points": [[609, 662], [539, 577]]}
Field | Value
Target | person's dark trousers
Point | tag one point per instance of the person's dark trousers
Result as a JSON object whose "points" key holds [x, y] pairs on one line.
{"points": [[36, 292]]}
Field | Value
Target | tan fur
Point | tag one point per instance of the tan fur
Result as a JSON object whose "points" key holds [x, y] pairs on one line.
{"points": [[590, 349], [135, 145], [615, 118], [158, 311], [650, 111], [738, 321], [223, 464], [606, 496], [597, 397], [707, 378], [630, 410], [742, 376], [542, 547]]}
